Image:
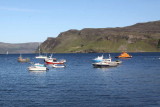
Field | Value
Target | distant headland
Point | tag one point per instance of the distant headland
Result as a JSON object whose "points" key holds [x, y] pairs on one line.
{"points": [[141, 37], [13, 48]]}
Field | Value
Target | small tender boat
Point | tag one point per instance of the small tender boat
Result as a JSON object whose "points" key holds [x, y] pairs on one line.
{"points": [[98, 59], [58, 66], [37, 67], [124, 55], [106, 63], [20, 59]]}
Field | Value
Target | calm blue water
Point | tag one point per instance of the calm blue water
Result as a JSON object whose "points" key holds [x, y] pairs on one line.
{"points": [[136, 82]]}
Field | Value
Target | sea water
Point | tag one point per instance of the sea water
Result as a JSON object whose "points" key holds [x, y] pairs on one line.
{"points": [[136, 82]]}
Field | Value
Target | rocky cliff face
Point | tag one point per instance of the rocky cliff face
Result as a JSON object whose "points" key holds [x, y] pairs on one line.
{"points": [[141, 37]]}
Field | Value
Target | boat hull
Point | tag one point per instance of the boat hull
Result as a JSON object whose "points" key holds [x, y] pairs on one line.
{"points": [[23, 60], [100, 66], [37, 68], [108, 64], [41, 57], [54, 62], [123, 57], [58, 66]]}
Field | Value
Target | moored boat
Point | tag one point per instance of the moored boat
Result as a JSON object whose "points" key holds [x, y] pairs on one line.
{"points": [[21, 59], [37, 67], [51, 60], [106, 63], [124, 55], [40, 56], [58, 66], [55, 62]]}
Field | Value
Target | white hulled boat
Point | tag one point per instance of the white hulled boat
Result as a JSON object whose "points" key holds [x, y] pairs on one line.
{"points": [[37, 67], [106, 63], [58, 66], [40, 56]]}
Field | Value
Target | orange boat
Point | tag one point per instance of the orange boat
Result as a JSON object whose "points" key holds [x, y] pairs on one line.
{"points": [[124, 55]]}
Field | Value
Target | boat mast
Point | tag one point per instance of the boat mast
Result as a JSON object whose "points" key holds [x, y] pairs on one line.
{"points": [[109, 56], [7, 53], [39, 49]]}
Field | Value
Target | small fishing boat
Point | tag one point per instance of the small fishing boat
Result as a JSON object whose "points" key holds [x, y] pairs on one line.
{"points": [[37, 67], [58, 66], [51, 60], [21, 59], [106, 63], [124, 55], [98, 59], [55, 62]]}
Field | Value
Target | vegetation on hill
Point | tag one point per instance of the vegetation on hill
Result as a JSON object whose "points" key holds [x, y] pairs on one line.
{"points": [[141, 37]]}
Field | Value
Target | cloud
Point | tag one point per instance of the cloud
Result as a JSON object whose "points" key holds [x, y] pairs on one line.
{"points": [[17, 9]]}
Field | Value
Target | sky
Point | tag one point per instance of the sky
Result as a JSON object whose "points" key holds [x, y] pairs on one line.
{"points": [[24, 21]]}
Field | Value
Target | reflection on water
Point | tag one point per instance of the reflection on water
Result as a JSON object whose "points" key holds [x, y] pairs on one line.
{"points": [[38, 72], [38, 78], [103, 69]]}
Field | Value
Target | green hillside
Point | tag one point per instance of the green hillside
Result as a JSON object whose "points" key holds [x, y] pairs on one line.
{"points": [[141, 37]]}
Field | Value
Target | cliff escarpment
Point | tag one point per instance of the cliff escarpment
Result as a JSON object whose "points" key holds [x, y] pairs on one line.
{"points": [[141, 37]]}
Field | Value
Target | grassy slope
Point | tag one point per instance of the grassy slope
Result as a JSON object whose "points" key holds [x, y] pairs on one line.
{"points": [[106, 46], [137, 38]]}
